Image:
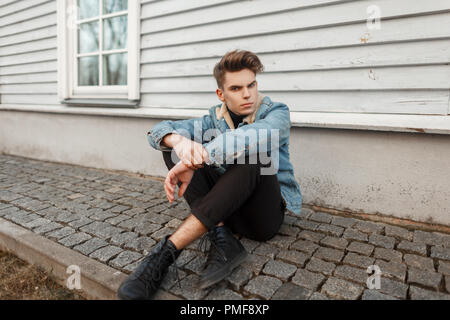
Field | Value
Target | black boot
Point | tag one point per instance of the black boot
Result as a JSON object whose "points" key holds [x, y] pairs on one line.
{"points": [[225, 253], [146, 279]]}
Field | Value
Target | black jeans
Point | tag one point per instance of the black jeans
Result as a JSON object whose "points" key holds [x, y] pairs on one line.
{"points": [[247, 202]]}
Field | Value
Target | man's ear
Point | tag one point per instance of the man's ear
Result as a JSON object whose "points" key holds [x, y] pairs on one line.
{"points": [[219, 93]]}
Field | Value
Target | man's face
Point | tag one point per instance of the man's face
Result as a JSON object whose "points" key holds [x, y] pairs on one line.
{"points": [[240, 91]]}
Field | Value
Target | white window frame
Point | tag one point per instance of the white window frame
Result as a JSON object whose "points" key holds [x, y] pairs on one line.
{"points": [[67, 72]]}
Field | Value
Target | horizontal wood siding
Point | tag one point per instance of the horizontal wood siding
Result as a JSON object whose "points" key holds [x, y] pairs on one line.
{"points": [[319, 55], [28, 52]]}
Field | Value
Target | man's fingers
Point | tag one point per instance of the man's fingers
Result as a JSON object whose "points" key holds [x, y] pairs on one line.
{"points": [[182, 189]]}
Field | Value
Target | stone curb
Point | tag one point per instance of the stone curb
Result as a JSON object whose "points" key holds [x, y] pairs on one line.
{"points": [[98, 281]]}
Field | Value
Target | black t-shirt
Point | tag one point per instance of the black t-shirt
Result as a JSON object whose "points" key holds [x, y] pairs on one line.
{"points": [[236, 118]]}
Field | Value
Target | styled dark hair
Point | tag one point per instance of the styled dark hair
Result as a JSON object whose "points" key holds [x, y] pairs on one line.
{"points": [[236, 60]]}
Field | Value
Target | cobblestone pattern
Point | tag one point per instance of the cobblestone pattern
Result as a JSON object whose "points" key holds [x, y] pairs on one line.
{"points": [[117, 219]]}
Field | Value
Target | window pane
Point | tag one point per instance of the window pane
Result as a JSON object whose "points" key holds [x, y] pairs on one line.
{"points": [[88, 9], [115, 32], [110, 6], [88, 71], [115, 67], [88, 37]]}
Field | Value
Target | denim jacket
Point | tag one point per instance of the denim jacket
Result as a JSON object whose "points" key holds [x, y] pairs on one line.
{"points": [[267, 130]]}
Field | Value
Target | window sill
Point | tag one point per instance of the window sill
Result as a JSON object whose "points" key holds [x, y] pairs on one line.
{"points": [[435, 124]]}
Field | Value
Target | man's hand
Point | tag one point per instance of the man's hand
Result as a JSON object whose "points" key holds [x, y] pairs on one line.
{"points": [[191, 153], [179, 173]]}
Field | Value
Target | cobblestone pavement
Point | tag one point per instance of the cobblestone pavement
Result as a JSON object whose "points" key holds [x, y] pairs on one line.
{"points": [[117, 218]]}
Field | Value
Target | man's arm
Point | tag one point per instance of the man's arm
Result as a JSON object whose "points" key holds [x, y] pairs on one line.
{"points": [[263, 135], [179, 136]]}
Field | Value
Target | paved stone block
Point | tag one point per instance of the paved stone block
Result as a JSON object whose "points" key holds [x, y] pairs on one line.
{"points": [[289, 230], [357, 260], [343, 221], [417, 293], [289, 291], [294, 257], [239, 277], [61, 233], [444, 267], [255, 263], [330, 229], [47, 228], [388, 255], [352, 234], [101, 215], [124, 258], [161, 233], [341, 289], [36, 223], [412, 247], [419, 262], [106, 253], [141, 244], [306, 224], [392, 270], [90, 246], [174, 223], [311, 236], [376, 295], [351, 274], [329, 254], [7, 211], [393, 288], [117, 219], [101, 229], [280, 270], [362, 248], [263, 286], [427, 238], [267, 250], [334, 242], [74, 239], [320, 217], [398, 232], [368, 227], [149, 229], [382, 241], [318, 296], [308, 279], [76, 224], [289, 220], [440, 253], [249, 245], [282, 242], [305, 246], [122, 238], [424, 278], [317, 265], [223, 294]]}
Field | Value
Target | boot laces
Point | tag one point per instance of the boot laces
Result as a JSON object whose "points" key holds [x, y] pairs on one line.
{"points": [[216, 255], [153, 274]]}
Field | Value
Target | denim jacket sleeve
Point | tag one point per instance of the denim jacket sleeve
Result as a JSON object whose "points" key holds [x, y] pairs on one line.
{"points": [[264, 135], [192, 129]]}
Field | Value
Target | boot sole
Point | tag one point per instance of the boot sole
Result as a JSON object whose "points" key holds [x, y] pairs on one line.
{"points": [[220, 274]]}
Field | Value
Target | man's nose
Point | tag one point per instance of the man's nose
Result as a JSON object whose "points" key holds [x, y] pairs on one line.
{"points": [[246, 92]]}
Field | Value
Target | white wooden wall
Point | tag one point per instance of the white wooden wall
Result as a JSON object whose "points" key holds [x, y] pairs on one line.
{"points": [[319, 54]]}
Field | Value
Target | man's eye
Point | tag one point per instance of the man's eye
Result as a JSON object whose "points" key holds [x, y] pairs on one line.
{"points": [[252, 85], [234, 89]]}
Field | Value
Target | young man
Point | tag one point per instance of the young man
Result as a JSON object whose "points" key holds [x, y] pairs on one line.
{"points": [[240, 187]]}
